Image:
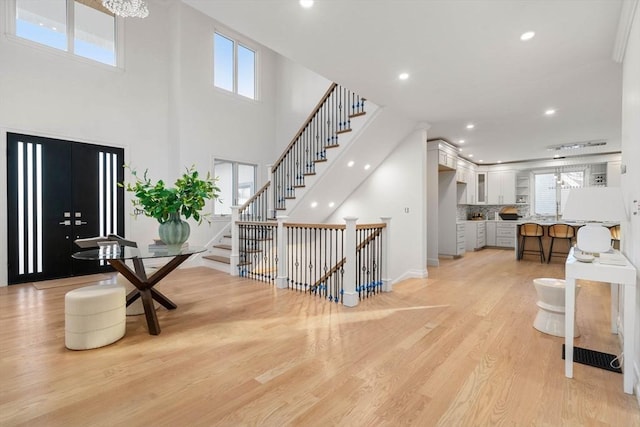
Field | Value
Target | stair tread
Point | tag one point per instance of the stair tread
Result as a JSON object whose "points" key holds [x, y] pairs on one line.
{"points": [[343, 131], [222, 246], [332, 146], [358, 114], [218, 258]]}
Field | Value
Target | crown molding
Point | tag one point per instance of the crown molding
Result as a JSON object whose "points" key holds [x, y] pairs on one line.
{"points": [[627, 13]]}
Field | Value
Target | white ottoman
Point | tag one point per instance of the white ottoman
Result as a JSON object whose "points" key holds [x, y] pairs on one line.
{"points": [[95, 316], [550, 317]]}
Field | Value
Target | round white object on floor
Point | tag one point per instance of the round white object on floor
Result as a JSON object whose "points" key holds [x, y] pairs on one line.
{"points": [[550, 317]]}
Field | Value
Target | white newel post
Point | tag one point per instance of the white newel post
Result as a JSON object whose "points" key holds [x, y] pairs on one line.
{"points": [[281, 279], [235, 241], [384, 262], [350, 296], [270, 191]]}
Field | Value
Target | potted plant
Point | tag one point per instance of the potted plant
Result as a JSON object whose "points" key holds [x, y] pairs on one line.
{"points": [[168, 205]]}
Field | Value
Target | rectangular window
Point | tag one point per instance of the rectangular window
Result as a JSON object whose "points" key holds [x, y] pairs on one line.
{"points": [[552, 190], [234, 66], [237, 183], [81, 27], [94, 34]]}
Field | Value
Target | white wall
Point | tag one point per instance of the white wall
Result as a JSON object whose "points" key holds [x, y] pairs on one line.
{"points": [[396, 189], [299, 90], [161, 107], [631, 159]]}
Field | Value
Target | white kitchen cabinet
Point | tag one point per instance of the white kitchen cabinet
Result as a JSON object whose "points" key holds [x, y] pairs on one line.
{"points": [[475, 235], [466, 180], [447, 160], [501, 187], [506, 234], [491, 233], [460, 238], [481, 188]]}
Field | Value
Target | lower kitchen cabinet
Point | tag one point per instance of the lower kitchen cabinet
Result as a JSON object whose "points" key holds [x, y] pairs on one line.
{"points": [[475, 235]]}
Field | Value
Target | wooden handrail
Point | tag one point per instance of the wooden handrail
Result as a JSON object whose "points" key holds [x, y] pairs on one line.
{"points": [[261, 223], [369, 238], [321, 226], [304, 126], [328, 274], [254, 197], [364, 226]]}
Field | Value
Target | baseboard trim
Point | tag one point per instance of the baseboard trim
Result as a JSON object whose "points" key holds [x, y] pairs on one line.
{"points": [[412, 274], [433, 262]]}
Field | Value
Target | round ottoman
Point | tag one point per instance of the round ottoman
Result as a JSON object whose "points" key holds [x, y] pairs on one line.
{"points": [[95, 316], [550, 317]]}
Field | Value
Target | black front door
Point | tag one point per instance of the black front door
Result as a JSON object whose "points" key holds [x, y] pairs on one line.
{"points": [[59, 191]]}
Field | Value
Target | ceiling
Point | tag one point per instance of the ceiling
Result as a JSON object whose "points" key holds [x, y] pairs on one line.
{"points": [[466, 63]]}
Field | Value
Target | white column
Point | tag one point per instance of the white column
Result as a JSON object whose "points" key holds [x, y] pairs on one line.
{"points": [[384, 260], [235, 241], [350, 296], [281, 278]]}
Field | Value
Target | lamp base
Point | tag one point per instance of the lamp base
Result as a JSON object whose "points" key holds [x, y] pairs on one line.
{"points": [[594, 238]]}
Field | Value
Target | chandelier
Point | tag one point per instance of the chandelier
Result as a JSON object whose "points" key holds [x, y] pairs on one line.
{"points": [[127, 8]]}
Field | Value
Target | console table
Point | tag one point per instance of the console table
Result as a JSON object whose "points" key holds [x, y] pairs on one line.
{"points": [[616, 275], [118, 255]]}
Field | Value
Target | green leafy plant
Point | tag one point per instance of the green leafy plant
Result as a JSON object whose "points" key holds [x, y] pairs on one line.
{"points": [[187, 197]]}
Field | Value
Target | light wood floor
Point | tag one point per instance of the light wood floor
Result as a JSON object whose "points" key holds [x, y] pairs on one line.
{"points": [[456, 349]]}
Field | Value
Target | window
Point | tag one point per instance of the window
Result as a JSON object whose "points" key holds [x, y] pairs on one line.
{"points": [[237, 182], [234, 66], [82, 27], [552, 190]]}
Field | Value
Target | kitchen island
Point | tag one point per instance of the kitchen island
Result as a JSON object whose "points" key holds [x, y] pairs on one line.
{"points": [[559, 246]]}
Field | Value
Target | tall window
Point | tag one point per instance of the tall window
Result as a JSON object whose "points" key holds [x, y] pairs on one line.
{"points": [[81, 27], [237, 183], [234, 66], [552, 190]]}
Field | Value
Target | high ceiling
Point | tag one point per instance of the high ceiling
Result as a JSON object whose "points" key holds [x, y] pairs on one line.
{"points": [[466, 63]]}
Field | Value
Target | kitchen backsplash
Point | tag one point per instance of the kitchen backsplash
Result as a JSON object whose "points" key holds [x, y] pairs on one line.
{"points": [[465, 212]]}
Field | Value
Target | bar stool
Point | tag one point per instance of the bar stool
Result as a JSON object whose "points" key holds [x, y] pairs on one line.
{"points": [[560, 231], [615, 235], [531, 229]]}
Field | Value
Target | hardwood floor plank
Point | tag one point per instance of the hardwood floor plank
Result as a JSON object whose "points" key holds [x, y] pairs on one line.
{"points": [[457, 348]]}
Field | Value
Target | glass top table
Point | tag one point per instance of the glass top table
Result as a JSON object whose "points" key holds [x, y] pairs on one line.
{"points": [[117, 256]]}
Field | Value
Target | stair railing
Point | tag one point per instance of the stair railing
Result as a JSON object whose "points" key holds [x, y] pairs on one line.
{"points": [[257, 207], [331, 117]]}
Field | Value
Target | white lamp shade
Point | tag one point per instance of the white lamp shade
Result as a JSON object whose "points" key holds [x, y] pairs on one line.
{"points": [[594, 204]]}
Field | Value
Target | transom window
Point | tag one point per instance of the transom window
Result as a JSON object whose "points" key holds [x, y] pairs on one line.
{"points": [[234, 66], [81, 27]]}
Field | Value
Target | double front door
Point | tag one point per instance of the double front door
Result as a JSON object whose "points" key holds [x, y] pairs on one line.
{"points": [[59, 191]]}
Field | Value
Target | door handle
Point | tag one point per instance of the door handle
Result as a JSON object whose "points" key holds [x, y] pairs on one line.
{"points": [[78, 222], [65, 222]]}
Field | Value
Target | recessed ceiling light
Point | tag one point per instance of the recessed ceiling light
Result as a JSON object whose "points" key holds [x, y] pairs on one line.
{"points": [[367, 166], [481, 161], [314, 204], [499, 161], [403, 76], [527, 36], [470, 155], [555, 156], [470, 126], [331, 204], [460, 149], [461, 141], [351, 163], [550, 112], [306, 3]]}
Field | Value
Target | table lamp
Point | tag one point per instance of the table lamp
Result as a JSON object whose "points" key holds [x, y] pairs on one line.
{"points": [[594, 205]]}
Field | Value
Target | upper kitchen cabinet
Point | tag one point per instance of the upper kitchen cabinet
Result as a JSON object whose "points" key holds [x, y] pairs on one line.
{"points": [[447, 155], [501, 187], [481, 188], [466, 180]]}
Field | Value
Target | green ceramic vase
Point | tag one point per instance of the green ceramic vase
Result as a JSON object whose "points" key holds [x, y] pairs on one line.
{"points": [[174, 232]]}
